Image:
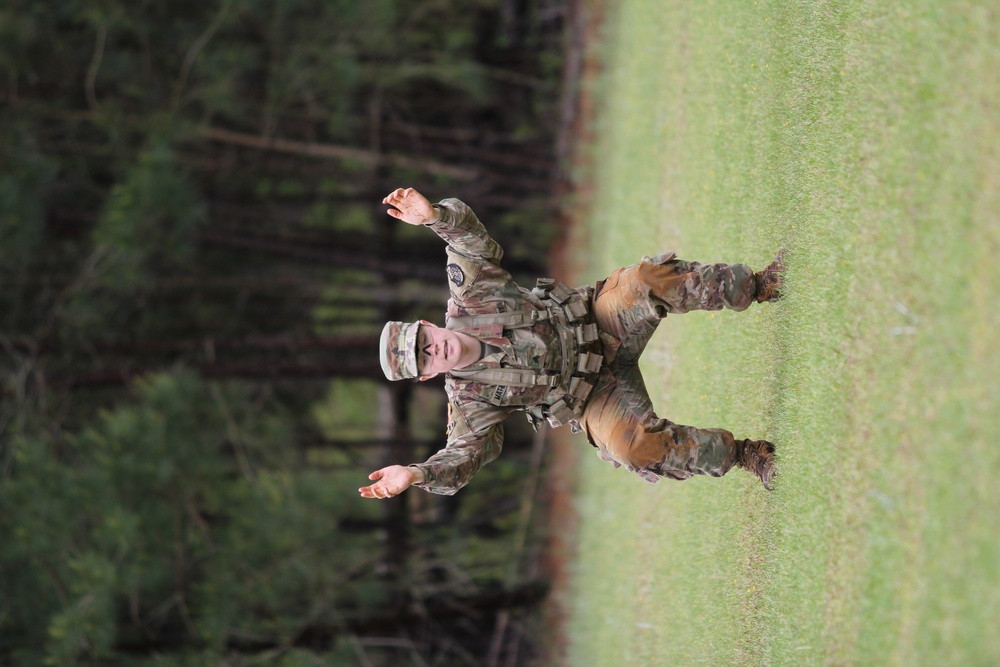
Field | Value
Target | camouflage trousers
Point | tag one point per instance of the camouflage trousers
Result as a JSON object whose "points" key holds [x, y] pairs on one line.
{"points": [[619, 418]]}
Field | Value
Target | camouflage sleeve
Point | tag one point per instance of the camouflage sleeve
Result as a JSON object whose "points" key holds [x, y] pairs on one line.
{"points": [[462, 231], [468, 449], [454, 466]]}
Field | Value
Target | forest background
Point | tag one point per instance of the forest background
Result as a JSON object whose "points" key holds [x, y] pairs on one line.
{"points": [[195, 269]]}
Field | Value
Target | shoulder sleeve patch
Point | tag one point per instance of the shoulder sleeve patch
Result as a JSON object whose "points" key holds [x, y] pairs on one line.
{"points": [[455, 275], [462, 274]]}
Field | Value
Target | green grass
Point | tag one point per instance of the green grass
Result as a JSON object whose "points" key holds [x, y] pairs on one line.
{"points": [[865, 138]]}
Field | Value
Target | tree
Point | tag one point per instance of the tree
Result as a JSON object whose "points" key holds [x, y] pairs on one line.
{"points": [[191, 253], [152, 523]]}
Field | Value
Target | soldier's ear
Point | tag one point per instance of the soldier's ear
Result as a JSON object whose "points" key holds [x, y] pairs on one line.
{"points": [[425, 378]]}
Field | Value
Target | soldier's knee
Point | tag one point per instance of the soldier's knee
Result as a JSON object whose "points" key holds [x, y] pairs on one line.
{"points": [[653, 424]]}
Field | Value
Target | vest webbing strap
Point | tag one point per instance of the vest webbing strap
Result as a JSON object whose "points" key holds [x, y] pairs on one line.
{"points": [[515, 320], [511, 377]]}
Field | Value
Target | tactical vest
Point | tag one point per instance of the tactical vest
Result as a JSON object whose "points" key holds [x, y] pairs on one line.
{"points": [[570, 385]]}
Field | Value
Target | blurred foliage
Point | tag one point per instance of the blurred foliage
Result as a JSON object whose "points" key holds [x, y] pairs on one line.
{"points": [[145, 230], [189, 387], [346, 409], [165, 505], [22, 208]]}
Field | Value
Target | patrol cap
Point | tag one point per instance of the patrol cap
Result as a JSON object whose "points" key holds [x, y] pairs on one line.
{"points": [[398, 350]]}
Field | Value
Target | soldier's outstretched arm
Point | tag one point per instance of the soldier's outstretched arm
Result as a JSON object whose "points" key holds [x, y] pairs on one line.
{"points": [[391, 481], [410, 206], [451, 219]]}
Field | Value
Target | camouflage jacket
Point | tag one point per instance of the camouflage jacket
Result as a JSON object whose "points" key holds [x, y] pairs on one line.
{"points": [[476, 410]]}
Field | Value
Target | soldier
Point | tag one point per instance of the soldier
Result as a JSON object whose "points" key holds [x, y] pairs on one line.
{"points": [[565, 356]]}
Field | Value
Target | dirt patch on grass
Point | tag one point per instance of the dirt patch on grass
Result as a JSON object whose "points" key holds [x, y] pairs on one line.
{"points": [[574, 195]]}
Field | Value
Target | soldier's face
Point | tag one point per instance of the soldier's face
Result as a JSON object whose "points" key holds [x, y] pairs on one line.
{"points": [[438, 350]]}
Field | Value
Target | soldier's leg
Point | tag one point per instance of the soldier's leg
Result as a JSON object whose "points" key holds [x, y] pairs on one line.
{"points": [[658, 286], [678, 286], [627, 432]]}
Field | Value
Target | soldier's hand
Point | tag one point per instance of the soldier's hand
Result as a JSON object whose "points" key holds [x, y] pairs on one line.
{"points": [[389, 481], [411, 207]]}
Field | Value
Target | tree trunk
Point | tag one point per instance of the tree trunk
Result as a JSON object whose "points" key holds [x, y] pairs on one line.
{"points": [[436, 611], [333, 152]]}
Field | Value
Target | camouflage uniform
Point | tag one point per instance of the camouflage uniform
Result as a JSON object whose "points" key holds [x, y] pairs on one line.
{"points": [[617, 416]]}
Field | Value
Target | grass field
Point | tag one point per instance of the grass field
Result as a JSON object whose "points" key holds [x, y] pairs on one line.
{"points": [[865, 138]]}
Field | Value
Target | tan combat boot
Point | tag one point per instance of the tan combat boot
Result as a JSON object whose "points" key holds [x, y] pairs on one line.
{"points": [[769, 280], [757, 456]]}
